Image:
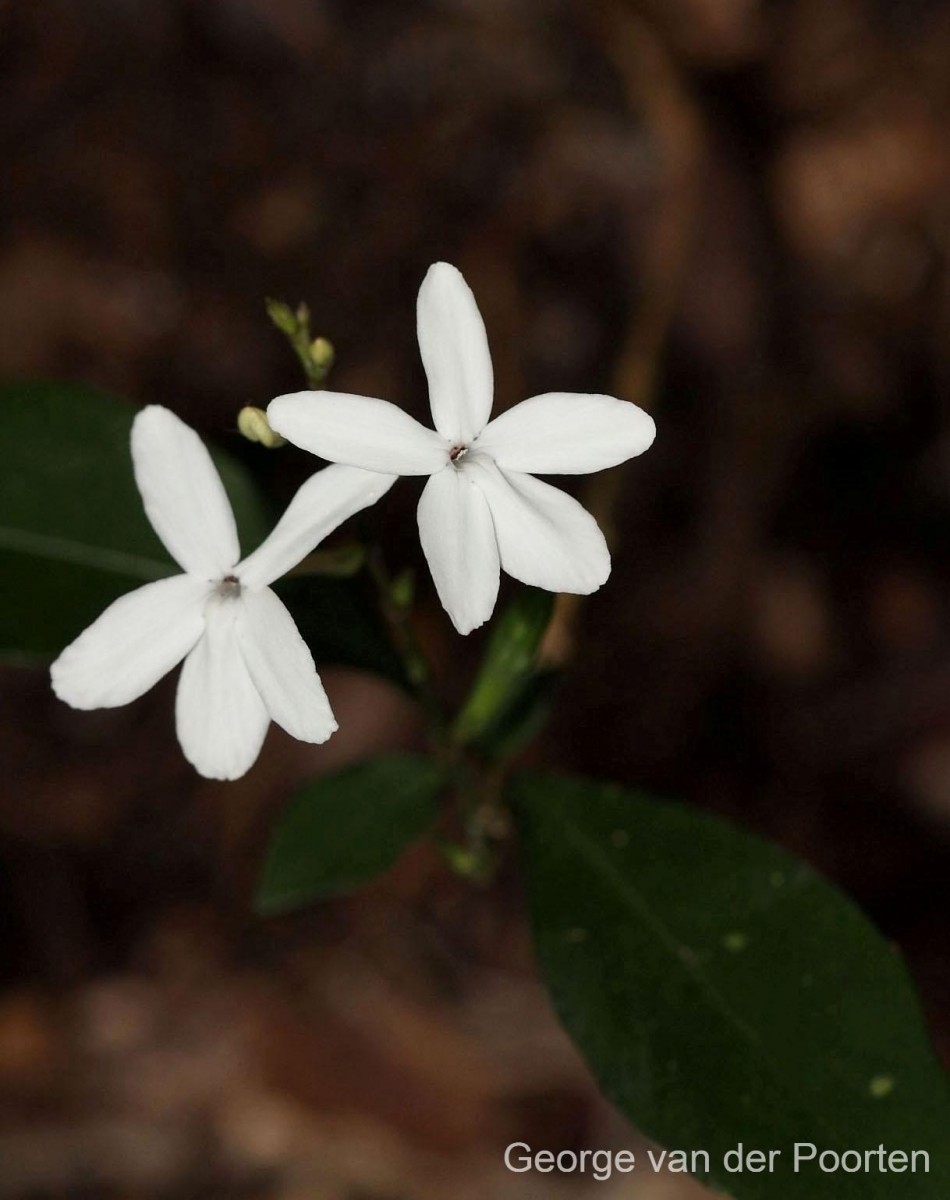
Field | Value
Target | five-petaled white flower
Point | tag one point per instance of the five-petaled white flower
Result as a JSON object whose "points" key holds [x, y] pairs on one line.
{"points": [[482, 508], [245, 661]]}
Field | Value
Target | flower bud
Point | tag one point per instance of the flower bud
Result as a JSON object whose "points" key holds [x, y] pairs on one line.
{"points": [[252, 424], [403, 589], [464, 862], [322, 354], [282, 316]]}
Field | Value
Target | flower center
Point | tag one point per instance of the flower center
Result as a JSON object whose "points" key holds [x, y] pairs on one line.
{"points": [[457, 453], [229, 588]]}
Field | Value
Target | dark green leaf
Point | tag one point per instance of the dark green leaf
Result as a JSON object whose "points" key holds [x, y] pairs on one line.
{"points": [[722, 992], [343, 829], [73, 533]]}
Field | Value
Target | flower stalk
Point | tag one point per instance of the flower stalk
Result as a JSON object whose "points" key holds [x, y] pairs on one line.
{"points": [[482, 511], [315, 354]]}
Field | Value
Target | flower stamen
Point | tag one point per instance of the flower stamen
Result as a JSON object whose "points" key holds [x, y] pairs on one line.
{"points": [[457, 452], [230, 587]]}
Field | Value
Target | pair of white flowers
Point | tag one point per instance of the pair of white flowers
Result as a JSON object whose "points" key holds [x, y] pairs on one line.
{"points": [[481, 511]]}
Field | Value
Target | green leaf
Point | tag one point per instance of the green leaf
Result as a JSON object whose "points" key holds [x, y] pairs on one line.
{"points": [[722, 992], [341, 830], [73, 533], [503, 685]]}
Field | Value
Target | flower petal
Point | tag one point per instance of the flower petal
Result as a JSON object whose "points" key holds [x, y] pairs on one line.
{"points": [[567, 433], [183, 494], [544, 536], [458, 540], [281, 666], [454, 349], [219, 714], [325, 501], [358, 431], [137, 640]]}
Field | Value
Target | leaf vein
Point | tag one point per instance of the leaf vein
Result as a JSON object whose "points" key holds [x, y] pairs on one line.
{"points": [[68, 550]]}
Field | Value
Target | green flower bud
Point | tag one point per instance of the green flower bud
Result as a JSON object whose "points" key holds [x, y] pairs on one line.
{"points": [[403, 589], [252, 424], [322, 354], [464, 862], [282, 316]]}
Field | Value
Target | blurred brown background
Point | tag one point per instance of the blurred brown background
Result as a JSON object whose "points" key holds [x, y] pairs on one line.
{"points": [[736, 212]]}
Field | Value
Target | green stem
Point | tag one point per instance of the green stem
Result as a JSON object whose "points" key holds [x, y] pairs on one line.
{"points": [[316, 374], [398, 618], [480, 813], [314, 354], [482, 818]]}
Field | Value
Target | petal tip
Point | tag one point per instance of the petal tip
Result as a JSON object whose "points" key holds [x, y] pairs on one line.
{"points": [[275, 412], [221, 772], [467, 625], [600, 576], [69, 690], [647, 431], [445, 269], [442, 283], [326, 733], [639, 432], [153, 415], [59, 684]]}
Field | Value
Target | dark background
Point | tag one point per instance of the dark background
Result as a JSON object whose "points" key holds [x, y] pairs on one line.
{"points": [[734, 212]]}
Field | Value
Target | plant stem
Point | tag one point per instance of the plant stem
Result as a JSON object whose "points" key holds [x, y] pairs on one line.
{"points": [[480, 810], [481, 815], [398, 618]]}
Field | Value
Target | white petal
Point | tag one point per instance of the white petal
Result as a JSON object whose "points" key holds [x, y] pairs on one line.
{"points": [[282, 667], [567, 433], [458, 540], [183, 494], [455, 355], [359, 431], [325, 501], [544, 536], [219, 714], [137, 640]]}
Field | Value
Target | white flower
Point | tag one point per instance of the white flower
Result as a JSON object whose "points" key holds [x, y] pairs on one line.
{"points": [[482, 508], [245, 662]]}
